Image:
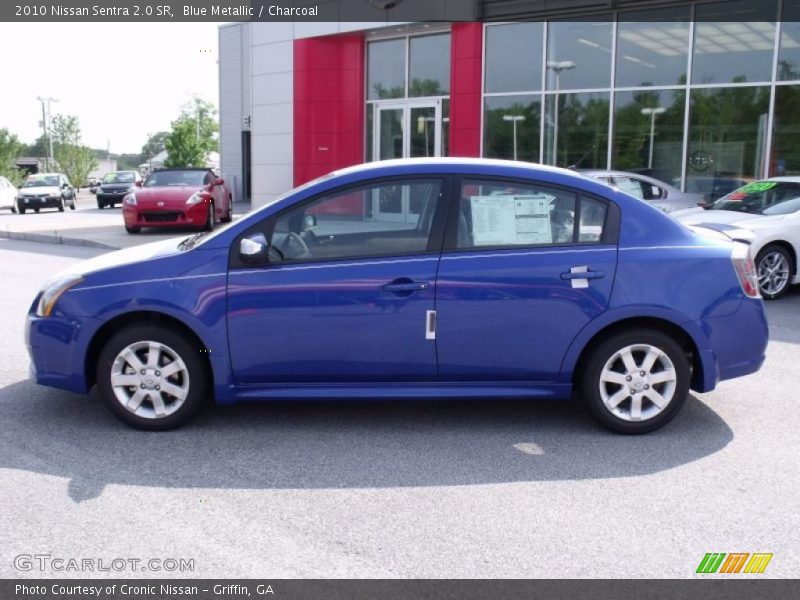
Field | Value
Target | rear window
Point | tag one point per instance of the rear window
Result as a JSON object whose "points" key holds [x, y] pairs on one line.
{"points": [[763, 198]]}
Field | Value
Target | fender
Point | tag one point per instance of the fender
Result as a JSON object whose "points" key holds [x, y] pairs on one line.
{"points": [[708, 362]]}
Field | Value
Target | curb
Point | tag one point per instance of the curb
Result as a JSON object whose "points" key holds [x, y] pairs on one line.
{"points": [[47, 238]]}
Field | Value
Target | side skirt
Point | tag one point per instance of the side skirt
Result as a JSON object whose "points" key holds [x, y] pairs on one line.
{"points": [[344, 391]]}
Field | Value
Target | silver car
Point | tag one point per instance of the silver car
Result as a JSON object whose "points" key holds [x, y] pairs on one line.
{"points": [[661, 195]]}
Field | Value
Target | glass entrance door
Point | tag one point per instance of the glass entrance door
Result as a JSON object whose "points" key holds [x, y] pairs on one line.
{"points": [[404, 130]]}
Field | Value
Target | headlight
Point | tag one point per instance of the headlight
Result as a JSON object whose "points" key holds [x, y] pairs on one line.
{"points": [[130, 199], [194, 198], [53, 291]]}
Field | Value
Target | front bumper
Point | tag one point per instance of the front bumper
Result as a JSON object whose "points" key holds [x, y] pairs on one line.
{"points": [[39, 202], [166, 216], [57, 346], [111, 196]]}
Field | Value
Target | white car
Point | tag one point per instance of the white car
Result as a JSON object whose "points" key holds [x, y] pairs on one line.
{"points": [[45, 190], [654, 191], [8, 195], [770, 210]]}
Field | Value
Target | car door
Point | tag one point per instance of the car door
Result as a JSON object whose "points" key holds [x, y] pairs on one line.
{"points": [[526, 266], [346, 295]]}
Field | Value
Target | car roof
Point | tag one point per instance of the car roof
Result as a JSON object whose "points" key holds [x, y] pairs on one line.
{"points": [[788, 178], [181, 169], [454, 163]]}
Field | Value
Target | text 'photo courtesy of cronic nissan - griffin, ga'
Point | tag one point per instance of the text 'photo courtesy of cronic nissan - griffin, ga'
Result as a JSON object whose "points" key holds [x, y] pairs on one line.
{"points": [[505, 280]]}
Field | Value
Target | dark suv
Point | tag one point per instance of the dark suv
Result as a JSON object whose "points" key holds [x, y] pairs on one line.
{"points": [[115, 186]]}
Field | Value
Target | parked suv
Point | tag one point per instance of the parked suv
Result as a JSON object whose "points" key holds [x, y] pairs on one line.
{"points": [[46, 190], [115, 186]]}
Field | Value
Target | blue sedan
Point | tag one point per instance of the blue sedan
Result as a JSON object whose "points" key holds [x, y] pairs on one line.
{"points": [[405, 279]]}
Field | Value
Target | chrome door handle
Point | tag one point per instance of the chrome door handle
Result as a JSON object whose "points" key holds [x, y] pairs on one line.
{"points": [[583, 275]]}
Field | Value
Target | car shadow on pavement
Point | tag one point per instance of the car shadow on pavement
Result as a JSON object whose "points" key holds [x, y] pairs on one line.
{"points": [[313, 445]]}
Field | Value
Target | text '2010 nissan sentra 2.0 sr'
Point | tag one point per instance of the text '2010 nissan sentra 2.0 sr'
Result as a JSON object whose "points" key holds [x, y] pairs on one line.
{"points": [[416, 278]]}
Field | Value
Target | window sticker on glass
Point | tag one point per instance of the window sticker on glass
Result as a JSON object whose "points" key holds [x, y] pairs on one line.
{"points": [[500, 221]]}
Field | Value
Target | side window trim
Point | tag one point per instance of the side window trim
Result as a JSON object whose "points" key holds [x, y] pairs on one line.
{"points": [[610, 225], [436, 234]]}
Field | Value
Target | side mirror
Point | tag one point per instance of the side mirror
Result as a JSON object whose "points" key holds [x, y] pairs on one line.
{"points": [[139, 183], [219, 181], [65, 185], [254, 249]]}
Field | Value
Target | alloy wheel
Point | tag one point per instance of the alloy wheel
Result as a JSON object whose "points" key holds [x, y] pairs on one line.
{"points": [[773, 273], [149, 379], [638, 382]]}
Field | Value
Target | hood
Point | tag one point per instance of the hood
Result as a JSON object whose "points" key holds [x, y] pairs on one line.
{"points": [[172, 194], [49, 190], [127, 256], [695, 216]]}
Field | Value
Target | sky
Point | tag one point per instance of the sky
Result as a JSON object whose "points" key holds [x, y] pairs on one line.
{"points": [[122, 80]]}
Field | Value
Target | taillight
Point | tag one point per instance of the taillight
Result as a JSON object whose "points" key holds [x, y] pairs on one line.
{"points": [[745, 269]]}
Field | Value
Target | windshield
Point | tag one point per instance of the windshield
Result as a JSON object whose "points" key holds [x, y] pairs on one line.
{"points": [[762, 198], [42, 181], [119, 178], [176, 178]]}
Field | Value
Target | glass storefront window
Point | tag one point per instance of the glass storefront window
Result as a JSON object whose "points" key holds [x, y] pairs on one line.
{"points": [[429, 70], [727, 139], [513, 54], [789, 55], [446, 127], [733, 52], [652, 48], [785, 158], [576, 130], [578, 55], [386, 69], [504, 114], [648, 133]]}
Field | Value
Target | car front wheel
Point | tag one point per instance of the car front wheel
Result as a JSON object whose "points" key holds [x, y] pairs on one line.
{"points": [[636, 381], [774, 267], [211, 218], [152, 378]]}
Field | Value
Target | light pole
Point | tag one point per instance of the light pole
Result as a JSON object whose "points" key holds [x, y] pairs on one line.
{"points": [[653, 112], [514, 119], [557, 66], [46, 127]]}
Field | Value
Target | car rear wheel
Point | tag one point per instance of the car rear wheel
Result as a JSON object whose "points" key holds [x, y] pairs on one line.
{"points": [[774, 266], [151, 378], [636, 381], [228, 213], [132, 229], [14, 209], [211, 218]]}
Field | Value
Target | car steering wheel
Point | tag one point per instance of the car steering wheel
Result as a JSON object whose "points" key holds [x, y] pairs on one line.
{"points": [[294, 246]]}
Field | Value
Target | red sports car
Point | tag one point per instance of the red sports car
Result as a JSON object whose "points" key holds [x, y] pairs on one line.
{"points": [[189, 197]]}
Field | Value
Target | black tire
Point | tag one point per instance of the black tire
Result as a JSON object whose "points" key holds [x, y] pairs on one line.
{"points": [[101, 205], [14, 209], [228, 213], [189, 353], [601, 353], [769, 250], [36, 210], [72, 204], [211, 218], [21, 210], [61, 205], [132, 229]]}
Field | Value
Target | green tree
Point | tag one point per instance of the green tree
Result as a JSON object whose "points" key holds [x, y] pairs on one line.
{"points": [[10, 150], [153, 145], [193, 135], [74, 159]]}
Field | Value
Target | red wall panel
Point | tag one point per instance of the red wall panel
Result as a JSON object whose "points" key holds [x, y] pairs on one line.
{"points": [[328, 104], [465, 89]]}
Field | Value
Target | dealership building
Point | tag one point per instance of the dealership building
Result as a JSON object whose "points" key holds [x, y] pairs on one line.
{"points": [[702, 95]]}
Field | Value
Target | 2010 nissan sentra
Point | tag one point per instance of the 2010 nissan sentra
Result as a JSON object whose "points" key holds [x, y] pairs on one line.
{"points": [[417, 278]]}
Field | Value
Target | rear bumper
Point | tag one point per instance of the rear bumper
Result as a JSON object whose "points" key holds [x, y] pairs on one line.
{"points": [[736, 345]]}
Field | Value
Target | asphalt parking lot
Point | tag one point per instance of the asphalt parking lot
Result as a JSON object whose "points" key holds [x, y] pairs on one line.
{"points": [[396, 489]]}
